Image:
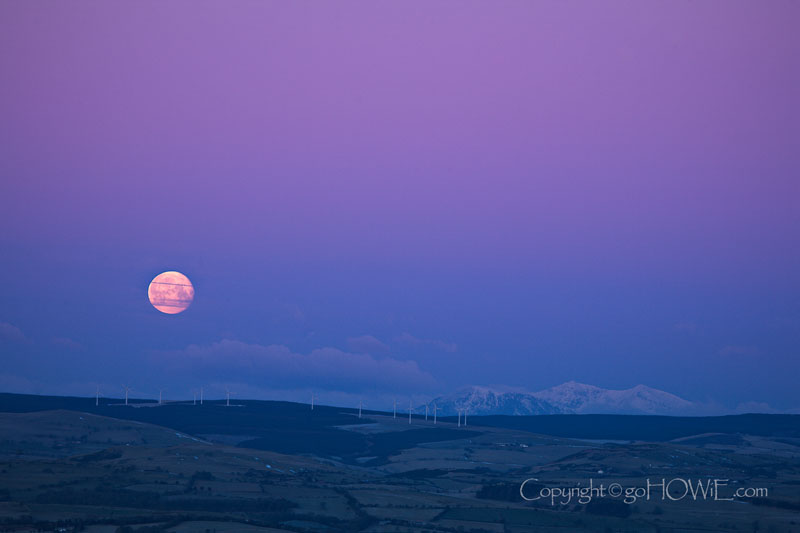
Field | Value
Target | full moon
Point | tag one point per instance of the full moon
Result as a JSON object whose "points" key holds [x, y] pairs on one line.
{"points": [[171, 292]]}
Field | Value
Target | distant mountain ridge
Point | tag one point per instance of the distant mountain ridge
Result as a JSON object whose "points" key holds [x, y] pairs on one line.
{"points": [[568, 398], [641, 399], [486, 401]]}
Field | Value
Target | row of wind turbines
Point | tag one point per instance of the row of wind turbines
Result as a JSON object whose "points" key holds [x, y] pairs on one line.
{"points": [[127, 389], [461, 412]]}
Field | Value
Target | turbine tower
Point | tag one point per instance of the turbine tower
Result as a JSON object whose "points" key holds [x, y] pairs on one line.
{"points": [[435, 410], [410, 410], [97, 396], [360, 403], [465, 417], [194, 400], [312, 400], [227, 397], [201, 395], [426, 412], [459, 417], [394, 412], [127, 390], [160, 396]]}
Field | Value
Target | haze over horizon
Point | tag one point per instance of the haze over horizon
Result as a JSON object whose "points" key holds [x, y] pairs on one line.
{"points": [[372, 200]]}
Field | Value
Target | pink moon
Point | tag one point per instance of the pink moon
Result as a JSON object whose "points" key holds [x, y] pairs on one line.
{"points": [[171, 292]]}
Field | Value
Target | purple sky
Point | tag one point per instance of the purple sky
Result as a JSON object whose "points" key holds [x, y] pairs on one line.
{"points": [[402, 197]]}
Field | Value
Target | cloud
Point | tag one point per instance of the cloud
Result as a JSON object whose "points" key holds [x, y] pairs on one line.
{"points": [[10, 332], [685, 326], [19, 384], [68, 343], [734, 350], [755, 407], [407, 338], [295, 312], [366, 344], [276, 366]]}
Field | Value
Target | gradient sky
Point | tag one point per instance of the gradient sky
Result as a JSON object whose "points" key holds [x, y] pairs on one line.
{"points": [[402, 198]]}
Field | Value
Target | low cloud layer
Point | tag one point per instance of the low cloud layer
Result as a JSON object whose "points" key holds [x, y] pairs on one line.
{"points": [[738, 350], [66, 342], [407, 338], [276, 366], [366, 344], [10, 332]]}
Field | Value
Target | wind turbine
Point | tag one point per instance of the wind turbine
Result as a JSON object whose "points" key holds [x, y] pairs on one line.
{"points": [[435, 410], [465, 417], [201, 395], [127, 390], [160, 396], [426, 412], [459, 417], [194, 394], [360, 403], [227, 397], [97, 396], [410, 410], [394, 413], [312, 400]]}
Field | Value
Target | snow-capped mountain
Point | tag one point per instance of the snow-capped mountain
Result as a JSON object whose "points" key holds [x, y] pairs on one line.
{"points": [[581, 398], [567, 398], [485, 401]]}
